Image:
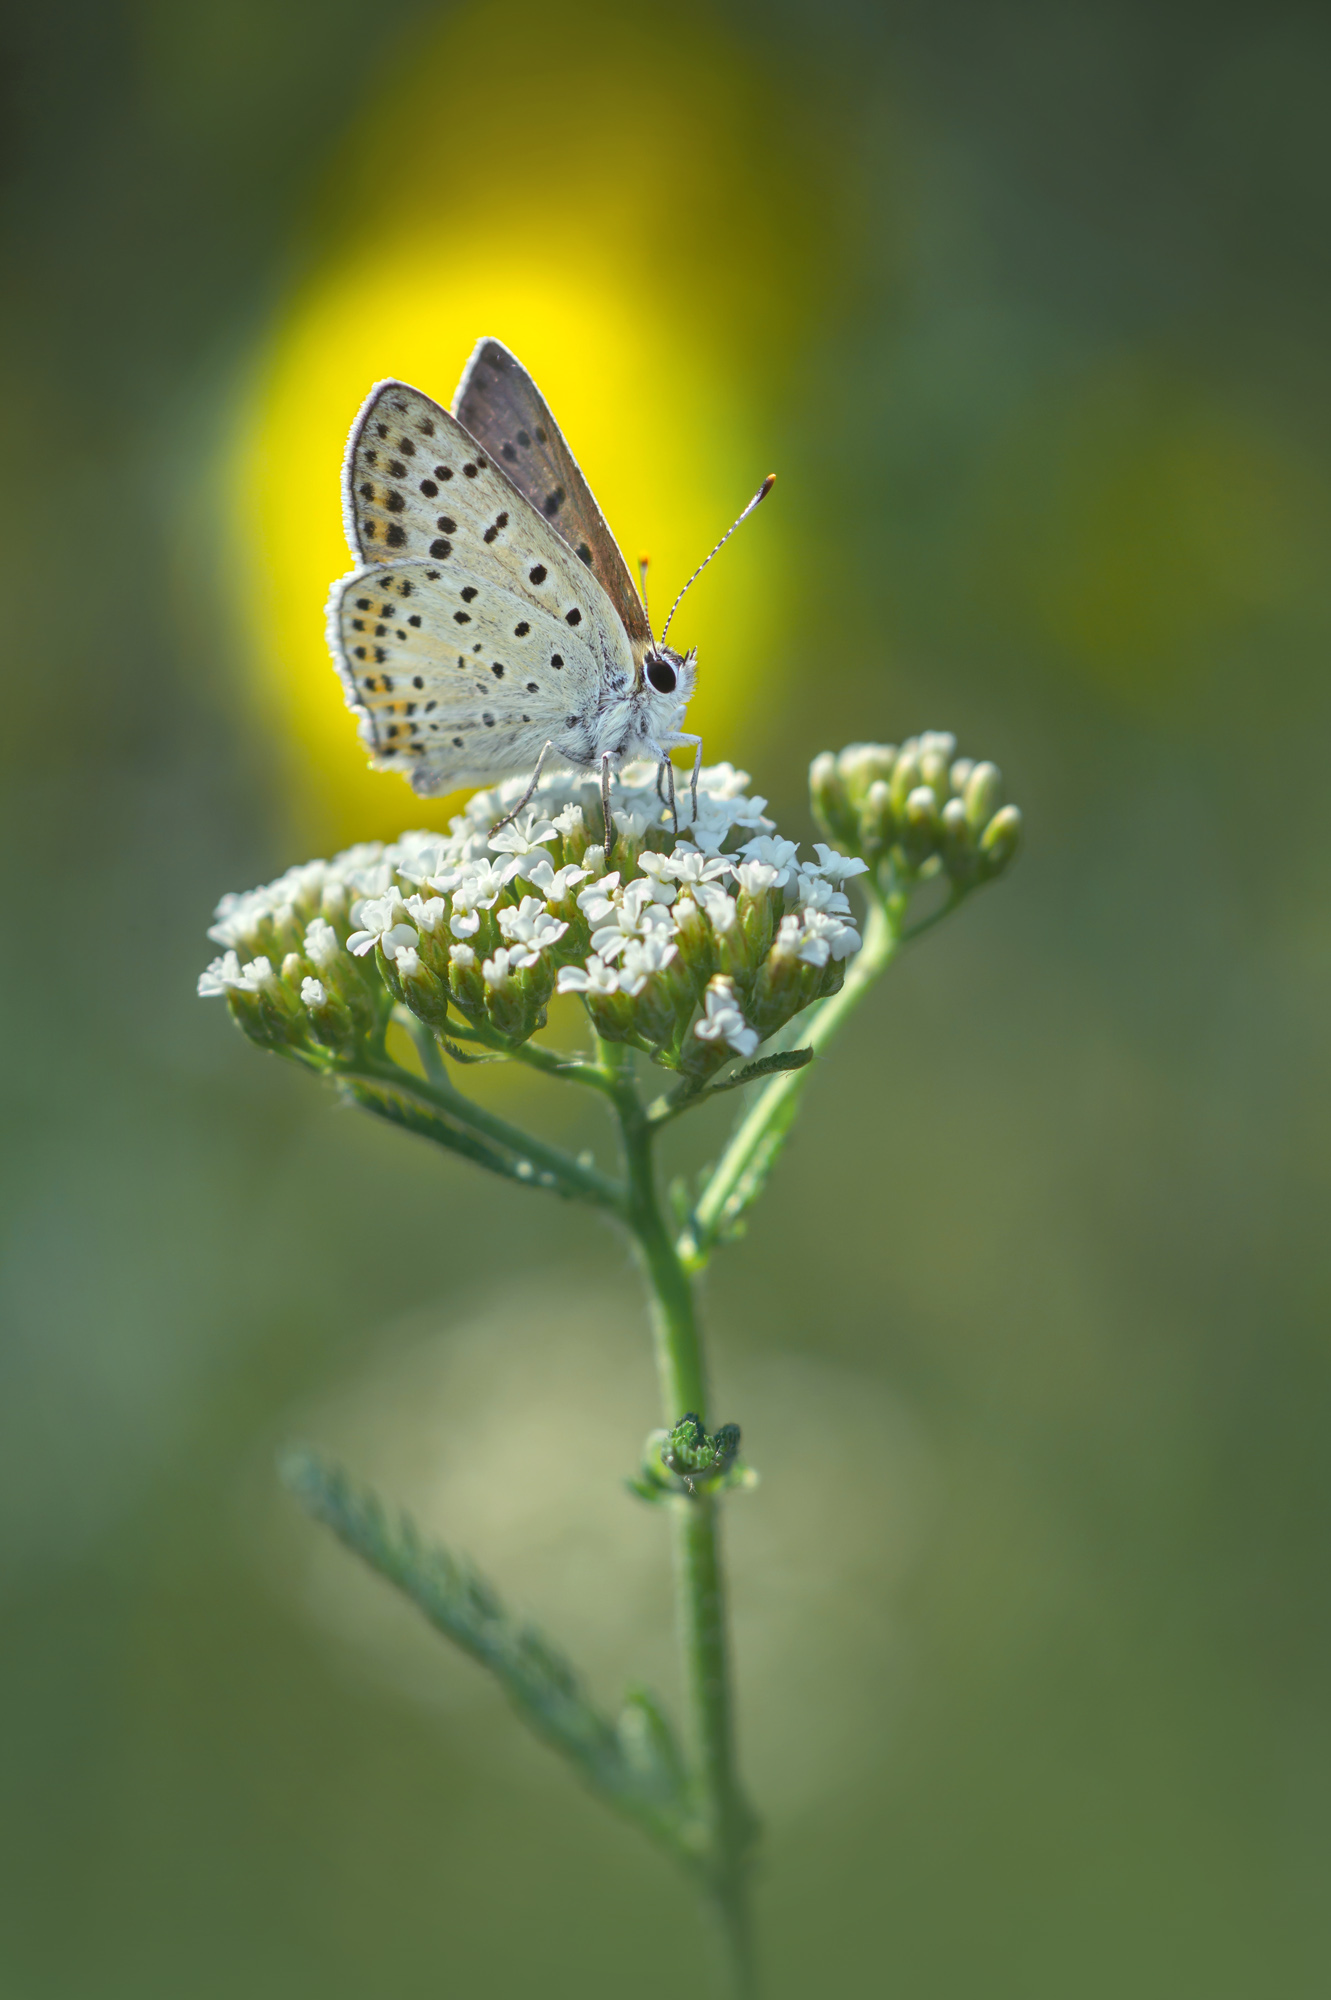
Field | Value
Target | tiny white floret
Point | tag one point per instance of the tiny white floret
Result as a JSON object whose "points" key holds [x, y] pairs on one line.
{"points": [[723, 1021], [595, 977]]}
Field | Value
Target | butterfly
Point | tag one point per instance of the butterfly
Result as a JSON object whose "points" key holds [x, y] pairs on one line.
{"points": [[492, 623]]}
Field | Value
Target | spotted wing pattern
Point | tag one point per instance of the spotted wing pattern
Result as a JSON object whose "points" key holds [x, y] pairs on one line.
{"points": [[457, 677], [505, 412], [473, 635]]}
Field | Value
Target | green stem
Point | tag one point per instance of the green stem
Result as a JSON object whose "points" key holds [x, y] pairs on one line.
{"points": [[704, 1644], [776, 1104], [725, 1825]]}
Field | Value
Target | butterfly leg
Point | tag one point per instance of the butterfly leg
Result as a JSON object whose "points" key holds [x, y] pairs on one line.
{"points": [[535, 779], [605, 805], [668, 770], [696, 741]]}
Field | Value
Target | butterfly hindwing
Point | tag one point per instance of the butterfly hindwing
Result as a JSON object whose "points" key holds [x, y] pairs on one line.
{"points": [[502, 408], [458, 676]]}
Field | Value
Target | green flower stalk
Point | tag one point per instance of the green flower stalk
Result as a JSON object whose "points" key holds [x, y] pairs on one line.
{"points": [[704, 943]]}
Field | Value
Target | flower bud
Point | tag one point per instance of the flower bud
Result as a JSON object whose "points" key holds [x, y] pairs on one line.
{"points": [[612, 1016], [831, 803], [999, 842], [905, 777], [934, 773], [878, 822], [956, 843], [388, 971], [330, 1022], [983, 793], [697, 959], [655, 1012], [423, 989], [920, 827], [937, 743], [694, 1457], [785, 982], [861, 764], [465, 980], [508, 1004]]}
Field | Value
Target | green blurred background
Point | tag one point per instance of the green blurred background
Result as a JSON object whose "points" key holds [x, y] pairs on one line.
{"points": [[1029, 308]]}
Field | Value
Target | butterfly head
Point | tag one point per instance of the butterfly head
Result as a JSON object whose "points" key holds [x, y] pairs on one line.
{"points": [[667, 672], [666, 684]]}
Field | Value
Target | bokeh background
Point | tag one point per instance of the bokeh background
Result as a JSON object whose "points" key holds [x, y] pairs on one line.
{"points": [[1029, 308]]}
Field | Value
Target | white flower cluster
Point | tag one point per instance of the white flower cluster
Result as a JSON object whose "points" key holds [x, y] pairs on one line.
{"points": [[694, 945]]}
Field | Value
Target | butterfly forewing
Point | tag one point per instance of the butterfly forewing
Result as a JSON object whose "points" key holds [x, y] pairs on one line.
{"points": [[502, 408], [457, 676], [469, 596], [417, 485]]}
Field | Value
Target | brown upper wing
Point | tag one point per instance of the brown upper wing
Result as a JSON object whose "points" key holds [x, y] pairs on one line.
{"points": [[502, 408]]}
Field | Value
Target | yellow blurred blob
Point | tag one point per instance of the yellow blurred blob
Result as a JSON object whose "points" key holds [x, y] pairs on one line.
{"points": [[631, 253]]}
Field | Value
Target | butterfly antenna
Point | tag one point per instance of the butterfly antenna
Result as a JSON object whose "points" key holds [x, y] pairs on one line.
{"points": [[758, 497], [643, 562]]}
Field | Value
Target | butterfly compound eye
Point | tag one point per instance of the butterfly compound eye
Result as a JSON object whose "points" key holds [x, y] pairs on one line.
{"points": [[662, 676]]}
